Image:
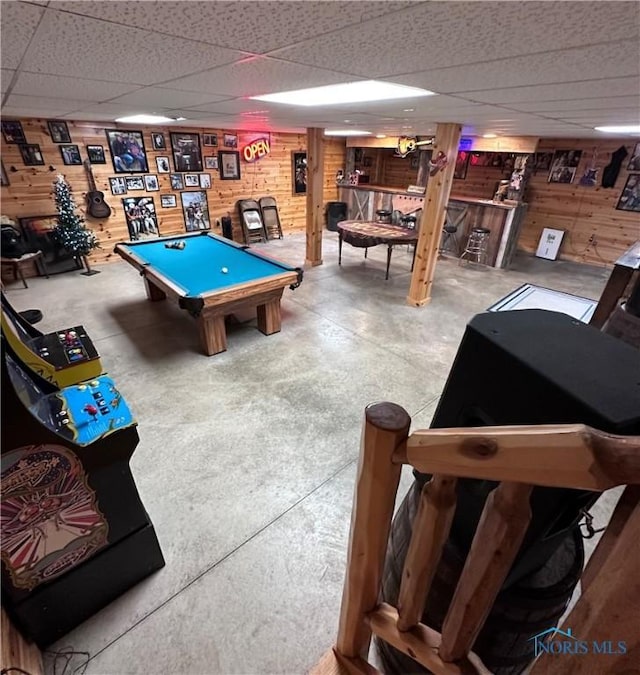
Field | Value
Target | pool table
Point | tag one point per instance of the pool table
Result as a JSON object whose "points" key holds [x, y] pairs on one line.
{"points": [[212, 277]]}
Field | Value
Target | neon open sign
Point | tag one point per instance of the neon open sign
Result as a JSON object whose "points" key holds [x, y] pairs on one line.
{"points": [[256, 150]]}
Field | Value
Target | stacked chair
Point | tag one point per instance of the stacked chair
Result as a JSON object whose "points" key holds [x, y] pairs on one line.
{"points": [[271, 218], [260, 220]]}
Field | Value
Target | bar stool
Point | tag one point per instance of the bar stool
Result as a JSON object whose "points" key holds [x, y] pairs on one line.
{"points": [[383, 216], [455, 216], [477, 245]]}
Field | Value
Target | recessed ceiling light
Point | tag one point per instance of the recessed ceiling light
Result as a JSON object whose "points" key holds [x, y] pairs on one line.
{"points": [[347, 92], [346, 132], [146, 119], [408, 110], [347, 121], [489, 135], [621, 129], [381, 135], [179, 119]]}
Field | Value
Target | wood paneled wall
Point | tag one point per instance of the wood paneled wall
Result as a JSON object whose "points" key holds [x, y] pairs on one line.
{"points": [[30, 189], [397, 171], [582, 212]]}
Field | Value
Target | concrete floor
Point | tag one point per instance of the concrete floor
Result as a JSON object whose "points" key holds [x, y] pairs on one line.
{"points": [[247, 459]]}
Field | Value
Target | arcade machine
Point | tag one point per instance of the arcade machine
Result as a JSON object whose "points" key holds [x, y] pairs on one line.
{"points": [[75, 534], [61, 358]]}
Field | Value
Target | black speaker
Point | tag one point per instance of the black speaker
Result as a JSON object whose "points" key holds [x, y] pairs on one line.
{"points": [[335, 212], [537, 367], [227, 227]]}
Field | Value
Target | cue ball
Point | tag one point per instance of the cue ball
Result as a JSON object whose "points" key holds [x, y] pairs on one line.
{"points": [[224, 270]]}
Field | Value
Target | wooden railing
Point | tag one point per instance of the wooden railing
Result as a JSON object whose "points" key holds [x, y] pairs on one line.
{"points": [[569, 456]]}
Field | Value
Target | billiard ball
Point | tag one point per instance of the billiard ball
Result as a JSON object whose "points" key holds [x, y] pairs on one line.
{"points": [[224, 270]]}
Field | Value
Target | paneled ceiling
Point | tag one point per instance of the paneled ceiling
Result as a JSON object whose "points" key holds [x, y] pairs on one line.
{"points": [[533, 68]]}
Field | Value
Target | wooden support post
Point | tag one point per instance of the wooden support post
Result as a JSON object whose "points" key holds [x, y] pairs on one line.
{"points": [[315, 187], [430, 532], [432, 221], [500, 532], [18, 655], [386, 427], [606, 615]]}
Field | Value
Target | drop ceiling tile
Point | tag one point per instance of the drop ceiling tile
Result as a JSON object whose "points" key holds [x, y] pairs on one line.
{"points": [[610, 102], [604, 117], [6, 75], [595, 61], [42, 104], [110, 110], [258, 75], [18, 24], [614, 86], [99, 50], [162, 98], [234, 106], [256, 27], [480, 31], [58, 86]]}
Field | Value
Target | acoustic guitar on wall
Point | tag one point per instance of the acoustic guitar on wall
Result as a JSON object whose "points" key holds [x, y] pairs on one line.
{"points": [[96, 206]]}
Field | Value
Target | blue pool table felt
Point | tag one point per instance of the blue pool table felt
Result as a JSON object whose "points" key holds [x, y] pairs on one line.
{"points": [[197, 268]]}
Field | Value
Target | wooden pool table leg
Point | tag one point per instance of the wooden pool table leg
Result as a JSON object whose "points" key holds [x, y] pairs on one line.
{"points": [[153, 292], [269, 318], [213, 333]]}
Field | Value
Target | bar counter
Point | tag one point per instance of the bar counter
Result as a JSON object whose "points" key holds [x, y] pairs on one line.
{"points": [[502, 219]]}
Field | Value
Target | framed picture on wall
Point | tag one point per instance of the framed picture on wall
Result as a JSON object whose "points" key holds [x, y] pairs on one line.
{"points": [[229, 163], [5, 178], [95, 153], [196, 211], [140, 214], [31, 154], [127, 151], [186, 152], [210, 140], [634, 162], [191, 180], [118, 185], [176, 181], [151, 183], [230, 141], [134, 182], [168, 201], [70, 155], [630, 197], [59, 131], [299, 172], [13, 132], [158, 142], [564, 165], [205, 181], [210, 162], [162, 164]]}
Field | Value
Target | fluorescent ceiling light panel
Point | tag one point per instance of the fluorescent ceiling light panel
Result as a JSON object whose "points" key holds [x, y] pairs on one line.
{"points": [[145, 119], [346, 132], [621, 129], [347, 92]]}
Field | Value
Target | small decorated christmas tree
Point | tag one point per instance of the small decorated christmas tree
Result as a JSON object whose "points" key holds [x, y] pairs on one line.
{"points": [[71, 231]]}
